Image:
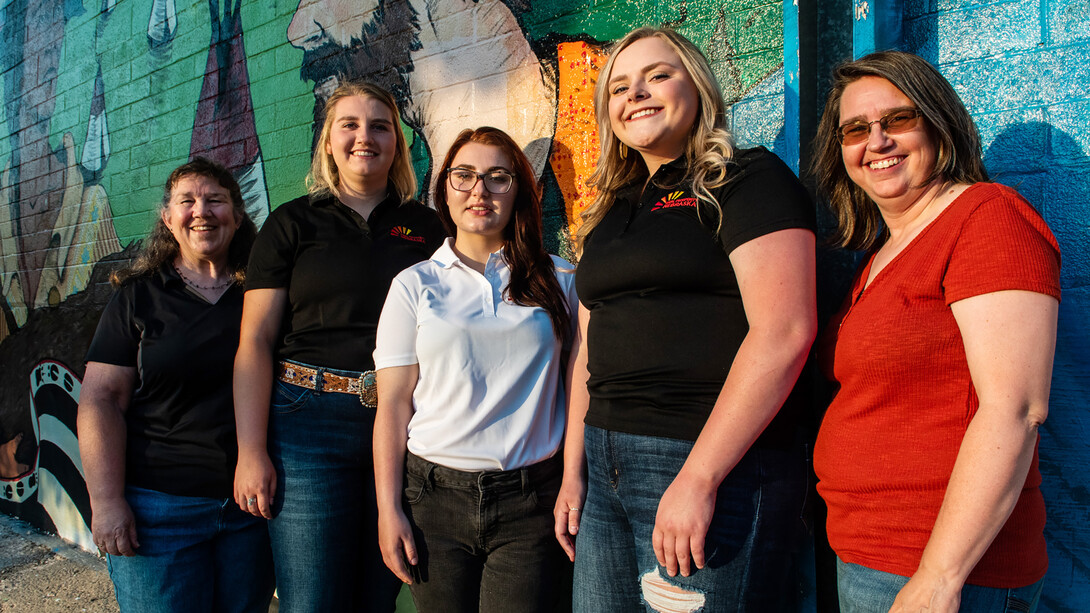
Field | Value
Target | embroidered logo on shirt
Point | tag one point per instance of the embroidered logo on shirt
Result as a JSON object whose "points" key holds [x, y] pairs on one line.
{"points": [[672, 200], [403, 232]]}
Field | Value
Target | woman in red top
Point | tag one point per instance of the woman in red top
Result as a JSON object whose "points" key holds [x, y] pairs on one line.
{"points": [[927, 456]]}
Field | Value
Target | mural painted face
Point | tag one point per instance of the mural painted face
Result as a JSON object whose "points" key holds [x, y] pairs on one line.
{"points": [[653, 101], [480, 211], [891, 168], [353, 40], [202, 218], [362, 141]]}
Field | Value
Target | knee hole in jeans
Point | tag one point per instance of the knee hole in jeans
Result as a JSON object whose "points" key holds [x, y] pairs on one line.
{"points": [[665, 597]]}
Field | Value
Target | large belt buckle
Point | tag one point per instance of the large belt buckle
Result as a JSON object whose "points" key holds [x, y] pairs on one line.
{"points": [[368, 390]]}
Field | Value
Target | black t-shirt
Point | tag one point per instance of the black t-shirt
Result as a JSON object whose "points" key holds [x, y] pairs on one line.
{"points": [[666, 312], [181, 420], [337, 269]]}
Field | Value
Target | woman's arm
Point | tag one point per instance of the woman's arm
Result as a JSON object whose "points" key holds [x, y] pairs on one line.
{"points": [[100, 422], [573, 489], [262, 313], [1010, 341], [395, 409], [777, 282]]}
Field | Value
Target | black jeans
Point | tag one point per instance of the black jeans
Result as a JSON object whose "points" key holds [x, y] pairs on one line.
{"points": [[485, 539]]}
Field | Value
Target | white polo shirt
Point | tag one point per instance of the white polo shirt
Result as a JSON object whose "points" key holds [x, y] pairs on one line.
{"points": [[490, 394]]}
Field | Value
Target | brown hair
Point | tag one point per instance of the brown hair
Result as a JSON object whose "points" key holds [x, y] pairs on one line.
{"points": [[707, 155], [160, 247], [859, 222], [323, 178], [533, 277]]}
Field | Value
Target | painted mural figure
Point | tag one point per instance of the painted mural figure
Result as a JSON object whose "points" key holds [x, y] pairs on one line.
{"points": [[156, 421], [927, 456], [697, 285], [54, 227], [471, 402], [318, 276], [448, 64]]}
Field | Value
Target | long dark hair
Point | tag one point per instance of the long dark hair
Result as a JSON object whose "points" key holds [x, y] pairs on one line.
{"points": [[533, 276], [161, 248], [859, 222]]}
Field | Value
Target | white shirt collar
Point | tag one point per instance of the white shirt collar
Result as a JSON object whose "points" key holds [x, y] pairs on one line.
{"points": [[445, 256]]}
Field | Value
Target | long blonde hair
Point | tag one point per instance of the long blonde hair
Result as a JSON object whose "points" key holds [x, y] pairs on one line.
{"points": [[323, 178], [709, 151]]}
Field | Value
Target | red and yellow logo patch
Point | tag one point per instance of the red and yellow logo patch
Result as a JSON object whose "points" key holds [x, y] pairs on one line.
{"points": [[405, 233], [674, 199]]}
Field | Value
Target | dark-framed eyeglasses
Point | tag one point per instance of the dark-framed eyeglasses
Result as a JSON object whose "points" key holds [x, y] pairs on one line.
{"points": [[495, 181], [893, 122]]}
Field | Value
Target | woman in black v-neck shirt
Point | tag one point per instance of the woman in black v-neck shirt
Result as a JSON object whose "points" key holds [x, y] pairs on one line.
{"points": [[696, 279], [318, 277], [156, 421]]}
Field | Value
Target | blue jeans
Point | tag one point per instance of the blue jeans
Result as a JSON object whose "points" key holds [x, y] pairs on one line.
{"points": [[752, 547], [195, 554], [325, 519], [865, 590], [486, 539]]}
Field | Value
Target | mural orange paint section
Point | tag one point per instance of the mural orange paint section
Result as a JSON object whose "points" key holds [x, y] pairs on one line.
{"points": [[575, 144]]}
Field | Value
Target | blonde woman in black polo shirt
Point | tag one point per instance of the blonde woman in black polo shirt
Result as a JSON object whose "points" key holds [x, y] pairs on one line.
{"points": [[156, 424], [696, 279], [318, 277]]}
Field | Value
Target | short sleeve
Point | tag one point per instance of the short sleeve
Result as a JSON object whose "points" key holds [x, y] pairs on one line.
{"points": [[764, 197], [395, 339], [273, 255], [117, 337], [1004, 244]]}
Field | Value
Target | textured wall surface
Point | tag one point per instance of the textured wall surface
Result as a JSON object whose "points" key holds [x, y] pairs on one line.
{"points": [[103, 98]]}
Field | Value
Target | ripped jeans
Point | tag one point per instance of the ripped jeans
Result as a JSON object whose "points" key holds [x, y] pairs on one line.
{"points": [[752, 549]]}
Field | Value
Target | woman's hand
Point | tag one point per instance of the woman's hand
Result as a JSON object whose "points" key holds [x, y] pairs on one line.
{"points": [[255, 478], [395, 539], [103, 437], [681, 524], [255, 483], [928, 592], [113, 527], [567, 512]]}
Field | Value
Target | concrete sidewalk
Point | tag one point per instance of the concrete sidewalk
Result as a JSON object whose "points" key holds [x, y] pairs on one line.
{"points": [[41, 573]]}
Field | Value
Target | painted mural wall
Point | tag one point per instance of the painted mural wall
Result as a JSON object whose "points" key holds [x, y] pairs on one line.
{"points": [[102, 98]]}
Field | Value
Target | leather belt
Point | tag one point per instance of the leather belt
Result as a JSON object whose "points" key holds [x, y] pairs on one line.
{"points": [[304, 376]]}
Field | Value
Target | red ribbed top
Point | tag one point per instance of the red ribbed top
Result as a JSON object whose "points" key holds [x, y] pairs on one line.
{"points": [[889, 439]]}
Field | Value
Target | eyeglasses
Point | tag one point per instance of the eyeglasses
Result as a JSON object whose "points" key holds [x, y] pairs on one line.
{"points": [[893, 122], [495, 181]]}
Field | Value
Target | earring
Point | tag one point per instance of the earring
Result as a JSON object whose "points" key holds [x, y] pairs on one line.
{"points": [[623, 149]]}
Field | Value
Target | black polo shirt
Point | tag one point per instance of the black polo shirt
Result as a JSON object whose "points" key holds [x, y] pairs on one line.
{"points": [[337, 268], [181, 420], [666, 312]]}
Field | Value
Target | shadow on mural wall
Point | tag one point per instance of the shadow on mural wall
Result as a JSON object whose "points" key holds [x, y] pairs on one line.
{"points": [[1056, 179]]}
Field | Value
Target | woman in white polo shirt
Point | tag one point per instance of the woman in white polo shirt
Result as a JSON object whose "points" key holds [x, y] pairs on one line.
{"points": [[471, 404]]}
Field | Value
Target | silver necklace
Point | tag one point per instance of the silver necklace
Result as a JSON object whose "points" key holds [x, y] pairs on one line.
{"points": [[228, 281]]}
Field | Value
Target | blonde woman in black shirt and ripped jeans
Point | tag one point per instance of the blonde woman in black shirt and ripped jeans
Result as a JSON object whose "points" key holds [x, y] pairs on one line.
{"points": [[696, 279]]}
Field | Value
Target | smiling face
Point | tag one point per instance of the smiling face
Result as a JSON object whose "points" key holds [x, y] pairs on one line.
{"points": [[653, 101], [479, 212], [891, 168], [362, 141], [202, 219]]}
